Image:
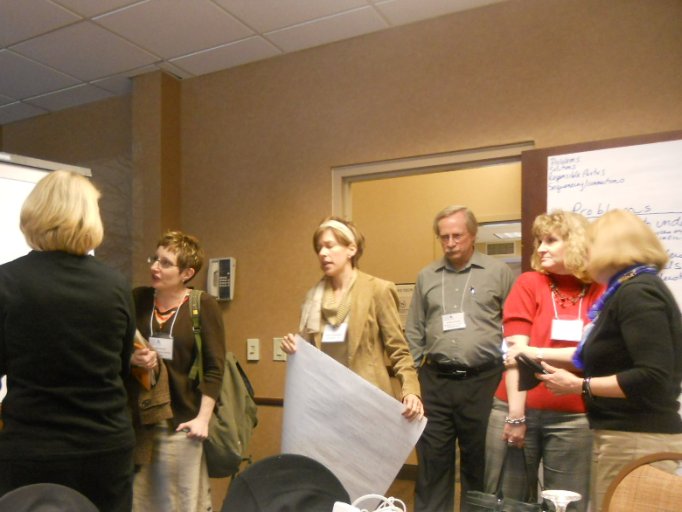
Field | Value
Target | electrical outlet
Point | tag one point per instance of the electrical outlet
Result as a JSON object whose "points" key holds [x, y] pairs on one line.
{"points": [[277, 353], [252, 349]]}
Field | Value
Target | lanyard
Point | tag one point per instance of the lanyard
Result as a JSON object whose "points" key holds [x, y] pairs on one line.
{"points": [[175, 316], [442, 290]]}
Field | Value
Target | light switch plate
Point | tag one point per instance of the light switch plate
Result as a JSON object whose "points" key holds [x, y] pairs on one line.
{"points": [[252, 349], [277, 353]]}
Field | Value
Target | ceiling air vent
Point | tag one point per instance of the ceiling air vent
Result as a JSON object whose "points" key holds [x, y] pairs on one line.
{"points": [[501, 249]]}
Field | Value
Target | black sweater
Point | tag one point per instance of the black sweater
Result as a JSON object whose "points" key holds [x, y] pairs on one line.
{"points": [[65, 344], [638, 337]]}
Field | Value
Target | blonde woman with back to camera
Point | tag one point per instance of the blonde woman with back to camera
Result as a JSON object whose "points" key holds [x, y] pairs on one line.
{"points": [[353, 317], [632, 354], [65, 343]]}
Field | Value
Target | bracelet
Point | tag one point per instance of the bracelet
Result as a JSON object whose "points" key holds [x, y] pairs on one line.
{"points": [[587, 390], [515, 421]]}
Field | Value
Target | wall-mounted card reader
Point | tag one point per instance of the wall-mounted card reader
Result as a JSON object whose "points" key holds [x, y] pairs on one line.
{"points": [[220, 278]]}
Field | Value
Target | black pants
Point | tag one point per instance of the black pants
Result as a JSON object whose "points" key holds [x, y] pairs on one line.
{"points": [[457, 412], [105, 479]]}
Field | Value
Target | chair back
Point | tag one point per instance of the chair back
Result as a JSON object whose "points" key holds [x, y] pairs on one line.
{"points": [[45, 497], [641, 487], [285, 483]]}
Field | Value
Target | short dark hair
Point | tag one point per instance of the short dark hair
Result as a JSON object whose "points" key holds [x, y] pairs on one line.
{"points": [[186, 247]]}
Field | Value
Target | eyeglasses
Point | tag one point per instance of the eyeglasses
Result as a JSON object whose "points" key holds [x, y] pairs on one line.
{"points": [[455, 238], [163, 262]]}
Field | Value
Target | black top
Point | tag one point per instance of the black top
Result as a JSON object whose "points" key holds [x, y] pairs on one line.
{"points": [[65, 344], [638, 337]]}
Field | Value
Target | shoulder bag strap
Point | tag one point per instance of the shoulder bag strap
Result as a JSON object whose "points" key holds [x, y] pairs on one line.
{"points": [[197, 369]]}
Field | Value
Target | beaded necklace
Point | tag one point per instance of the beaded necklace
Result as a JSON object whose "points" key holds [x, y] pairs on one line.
{"points": [[565, 301]]}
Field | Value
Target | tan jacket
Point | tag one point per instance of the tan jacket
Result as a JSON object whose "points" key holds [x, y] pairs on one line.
{"points": [[374, 329]]}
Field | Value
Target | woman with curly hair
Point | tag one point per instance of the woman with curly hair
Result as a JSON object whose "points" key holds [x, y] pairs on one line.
{"points": [[544, 317]]}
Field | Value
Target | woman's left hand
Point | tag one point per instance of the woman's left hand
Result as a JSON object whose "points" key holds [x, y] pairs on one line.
{"points": [[560, 382], [414, 409], [195, 429]]}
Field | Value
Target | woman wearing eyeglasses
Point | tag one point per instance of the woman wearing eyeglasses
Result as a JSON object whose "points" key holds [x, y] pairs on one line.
{"points": [[172, 474]]}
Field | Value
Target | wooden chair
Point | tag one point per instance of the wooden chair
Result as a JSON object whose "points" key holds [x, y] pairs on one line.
{"points": [[640, 487]]}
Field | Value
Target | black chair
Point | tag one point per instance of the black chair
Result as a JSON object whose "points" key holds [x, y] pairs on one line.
{"points": [[285, 483], [45, 497]]}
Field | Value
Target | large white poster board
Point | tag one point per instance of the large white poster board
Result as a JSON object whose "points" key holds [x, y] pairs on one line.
{"points": [[645, 179], [352, 427]]}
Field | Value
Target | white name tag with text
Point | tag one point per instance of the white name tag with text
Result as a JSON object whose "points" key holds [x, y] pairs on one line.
{"points": [[567, 330], [163, 345], [336, 334], [453, 321]]}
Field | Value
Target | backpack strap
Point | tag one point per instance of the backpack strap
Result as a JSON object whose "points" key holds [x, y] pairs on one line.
{"points": [[197, 369]]}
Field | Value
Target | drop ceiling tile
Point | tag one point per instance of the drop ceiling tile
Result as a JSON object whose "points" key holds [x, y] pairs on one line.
{"points": [[85, 51], [89, 8], [5, 100], [268, 15], [22, 77], [142, 70], [326, 30], [18, 111], [67, 98], [227, 56], [116, 84], [171, 68], [400, 12], [23, 19], [172, 28]]}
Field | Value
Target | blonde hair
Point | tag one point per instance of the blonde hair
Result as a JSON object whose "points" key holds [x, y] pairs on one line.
{"points": [[187, 249], [341, 237], [620, 239], [572, 229], [62, 214]]}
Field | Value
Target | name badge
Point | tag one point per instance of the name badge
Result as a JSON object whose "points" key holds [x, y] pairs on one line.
{"points": [[567, 330], [336, 334], [453, 321], [163, 344]]}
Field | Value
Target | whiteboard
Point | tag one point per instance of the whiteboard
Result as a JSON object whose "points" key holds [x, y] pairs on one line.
{"points": [[645, 179], [15, 185]]}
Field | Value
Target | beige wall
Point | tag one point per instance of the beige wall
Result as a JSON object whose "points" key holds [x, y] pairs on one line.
{"points": [[396, 214], [258, 141]]}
